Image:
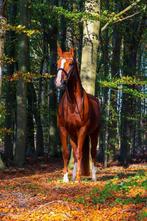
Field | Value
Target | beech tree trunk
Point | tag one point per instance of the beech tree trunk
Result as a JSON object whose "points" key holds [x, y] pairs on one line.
{"points": [[23, 63], [10, 89], [90, 47], [131, 42], [3, 22]]}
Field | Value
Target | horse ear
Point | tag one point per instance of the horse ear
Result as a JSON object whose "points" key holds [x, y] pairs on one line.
{"points": [[59, 50], [72, 52]]}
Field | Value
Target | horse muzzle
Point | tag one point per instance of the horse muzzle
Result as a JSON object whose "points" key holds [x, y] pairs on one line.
{"points": [[60, 85]]}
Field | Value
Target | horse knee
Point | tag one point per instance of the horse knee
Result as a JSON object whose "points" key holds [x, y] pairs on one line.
{"points": [[65, 154], [78, 155]]}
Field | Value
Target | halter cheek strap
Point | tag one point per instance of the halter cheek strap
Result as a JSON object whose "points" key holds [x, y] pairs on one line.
{"points": [[62, 69], [66, 73]]}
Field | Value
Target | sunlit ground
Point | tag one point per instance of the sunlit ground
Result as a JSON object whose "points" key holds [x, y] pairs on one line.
{"points": [[38, 193]]}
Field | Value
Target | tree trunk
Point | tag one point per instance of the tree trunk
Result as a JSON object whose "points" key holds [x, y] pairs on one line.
{"points": [[30, 145], [131, 43], [53, 133], [10, 89], [90, 47], [114, 132], [37, 117], [62, 27], [3, 22], [23, 63]]}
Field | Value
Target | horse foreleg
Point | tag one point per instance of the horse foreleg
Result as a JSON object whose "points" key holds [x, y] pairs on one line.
{"points": [[94, 141], [65, 153], [74, 147], [81, 139]]}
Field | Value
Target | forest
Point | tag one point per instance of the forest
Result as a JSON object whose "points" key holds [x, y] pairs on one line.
{"points": [[109, 39]]}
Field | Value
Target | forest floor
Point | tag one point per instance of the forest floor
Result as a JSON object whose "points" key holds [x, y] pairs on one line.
{"points": [[37, 193]]}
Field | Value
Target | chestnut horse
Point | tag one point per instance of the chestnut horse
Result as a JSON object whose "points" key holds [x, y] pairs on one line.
{"points": [[78, 117]]}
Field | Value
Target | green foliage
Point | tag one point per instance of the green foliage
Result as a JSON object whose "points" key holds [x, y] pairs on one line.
{"points": [[124, 83], [144, 184], [98, 196], [80, 200], [19, 29], [142, 215], [119, 84], [45, 18], [135, 200], [28, 77]]}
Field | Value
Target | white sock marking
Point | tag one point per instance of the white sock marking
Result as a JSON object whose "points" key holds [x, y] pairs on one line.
{"points": [[65, 178], [93, 172], [74, 171]]}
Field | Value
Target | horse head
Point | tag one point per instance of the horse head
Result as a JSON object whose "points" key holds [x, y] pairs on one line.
{"points": [[65, 65]]}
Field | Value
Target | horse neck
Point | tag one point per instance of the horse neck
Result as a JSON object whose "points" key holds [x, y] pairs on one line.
{"points": [[74, 87]]}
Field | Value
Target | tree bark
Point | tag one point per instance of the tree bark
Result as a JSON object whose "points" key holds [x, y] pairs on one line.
{"points": [[114, 132], [3, 22], [53, 133], [90, 47], [23, 66], [131, 42], [10, 88]]}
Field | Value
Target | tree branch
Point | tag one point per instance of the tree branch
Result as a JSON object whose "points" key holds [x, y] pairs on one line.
{"points": [[127, 8], [119, 14], [129, 16]]}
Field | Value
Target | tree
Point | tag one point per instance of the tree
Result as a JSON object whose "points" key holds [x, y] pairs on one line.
{"points": [[30, 107], [132, 38], [90, 47], [10, 100], [3, 22], [23, 67], [53, 132]]}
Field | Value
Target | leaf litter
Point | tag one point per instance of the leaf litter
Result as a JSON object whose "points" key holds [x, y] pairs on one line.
{"points": [[37, 193]]}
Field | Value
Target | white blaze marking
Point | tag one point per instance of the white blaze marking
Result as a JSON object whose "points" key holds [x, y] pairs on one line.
{"points": [[65, 178], [59, 74], [74, 171], [93, 172]]}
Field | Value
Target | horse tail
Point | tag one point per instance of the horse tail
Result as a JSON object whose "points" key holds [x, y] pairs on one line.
{"points": [[85, 164]]}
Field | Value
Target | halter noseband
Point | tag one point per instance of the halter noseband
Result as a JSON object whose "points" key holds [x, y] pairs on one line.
{"points": [[62, 69]]}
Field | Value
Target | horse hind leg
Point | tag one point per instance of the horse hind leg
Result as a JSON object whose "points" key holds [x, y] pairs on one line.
{"points": [[94, 141]]}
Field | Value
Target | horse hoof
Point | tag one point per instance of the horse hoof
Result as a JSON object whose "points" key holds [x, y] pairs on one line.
{"points": [[77, 181], [94, 179], [73, 179], [65, 178], [65, 181]]}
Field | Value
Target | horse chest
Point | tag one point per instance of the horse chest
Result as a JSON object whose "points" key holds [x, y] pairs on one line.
{"points": [[72, 120]]}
